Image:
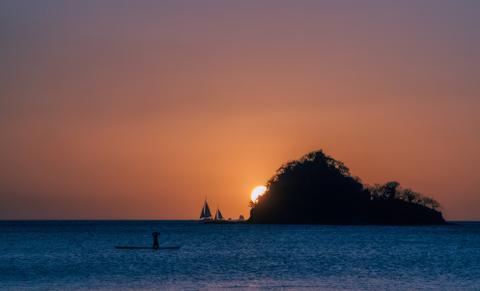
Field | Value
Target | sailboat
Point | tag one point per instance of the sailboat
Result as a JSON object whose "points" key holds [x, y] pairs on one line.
{"points": [[205, 214], [218, 215]]}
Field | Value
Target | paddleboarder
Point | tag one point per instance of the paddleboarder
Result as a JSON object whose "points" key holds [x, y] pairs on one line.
{"points": [[155, 236]]}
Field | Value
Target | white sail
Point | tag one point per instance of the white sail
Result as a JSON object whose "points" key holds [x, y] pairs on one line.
{"points": [[218, 215], [205, 214]]}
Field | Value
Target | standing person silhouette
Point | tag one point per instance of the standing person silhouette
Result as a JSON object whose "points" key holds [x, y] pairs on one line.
{"points": [[155, 236]]}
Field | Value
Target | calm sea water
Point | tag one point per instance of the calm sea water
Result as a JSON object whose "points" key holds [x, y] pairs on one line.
{"points": [[81, 255]]}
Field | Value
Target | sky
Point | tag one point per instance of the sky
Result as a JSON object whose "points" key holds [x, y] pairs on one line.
{"points": [[142, 109]]}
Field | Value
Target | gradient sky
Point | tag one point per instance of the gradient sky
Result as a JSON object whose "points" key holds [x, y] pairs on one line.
{"points": [[138, 109]]}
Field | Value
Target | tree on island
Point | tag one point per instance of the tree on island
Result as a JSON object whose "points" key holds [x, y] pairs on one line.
{"points": [[392, 190], [317, 189]]}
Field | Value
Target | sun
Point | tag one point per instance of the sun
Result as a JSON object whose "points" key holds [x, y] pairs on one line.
{"points": [[257, 192]]}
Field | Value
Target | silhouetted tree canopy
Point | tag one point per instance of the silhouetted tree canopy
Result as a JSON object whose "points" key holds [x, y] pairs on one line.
{"points": [[392, 190], [319, 189]]}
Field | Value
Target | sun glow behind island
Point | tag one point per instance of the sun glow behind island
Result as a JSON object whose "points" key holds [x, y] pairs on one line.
{"points": [[257, 192]]}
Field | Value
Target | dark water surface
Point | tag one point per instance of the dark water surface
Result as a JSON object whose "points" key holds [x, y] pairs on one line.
{"points": [[66, 255]]}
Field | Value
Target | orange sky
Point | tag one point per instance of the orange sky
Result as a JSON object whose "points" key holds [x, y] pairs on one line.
{"points": [[119, 110]]}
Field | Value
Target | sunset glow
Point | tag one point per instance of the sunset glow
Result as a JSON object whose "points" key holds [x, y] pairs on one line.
{"points": [[257, 192], [133, 110]]}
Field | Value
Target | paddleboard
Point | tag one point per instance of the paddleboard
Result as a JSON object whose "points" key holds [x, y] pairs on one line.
{"points": [[147, 248]]}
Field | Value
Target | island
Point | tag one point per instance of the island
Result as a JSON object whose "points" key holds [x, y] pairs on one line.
{"points": [[317, 189]]}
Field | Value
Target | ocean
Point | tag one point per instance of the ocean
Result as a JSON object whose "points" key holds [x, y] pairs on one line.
{"points": [[78, 255]]}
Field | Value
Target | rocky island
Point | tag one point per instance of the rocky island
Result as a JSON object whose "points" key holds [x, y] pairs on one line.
{"points": [[317, 189]]}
